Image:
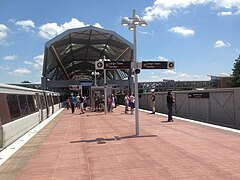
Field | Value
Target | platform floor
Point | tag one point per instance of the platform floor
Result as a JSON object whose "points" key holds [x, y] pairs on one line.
{"points": [[98, 146]]}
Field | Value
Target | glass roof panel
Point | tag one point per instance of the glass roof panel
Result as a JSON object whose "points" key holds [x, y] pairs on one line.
{"points": [[80, 48]]}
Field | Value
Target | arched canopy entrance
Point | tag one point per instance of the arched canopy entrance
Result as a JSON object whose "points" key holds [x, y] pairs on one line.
{"points": [[72, 54]]}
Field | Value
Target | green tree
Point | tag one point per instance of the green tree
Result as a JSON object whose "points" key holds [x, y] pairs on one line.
{"points": [[25, 82], [236, 73]]}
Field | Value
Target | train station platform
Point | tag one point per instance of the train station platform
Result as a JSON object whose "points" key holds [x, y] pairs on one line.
{"points": [[98, 146]]}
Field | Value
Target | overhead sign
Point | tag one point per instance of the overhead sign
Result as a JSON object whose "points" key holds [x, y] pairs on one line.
{"points": [[117, 65], [198, 95], [158, 64], [99, 65], [74, 87]]}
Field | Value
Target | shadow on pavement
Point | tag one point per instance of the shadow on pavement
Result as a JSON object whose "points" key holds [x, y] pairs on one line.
{"points": [[115, 138]]}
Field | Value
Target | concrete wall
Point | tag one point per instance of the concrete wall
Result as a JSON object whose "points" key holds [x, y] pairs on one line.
{"points": [[222, 107]]}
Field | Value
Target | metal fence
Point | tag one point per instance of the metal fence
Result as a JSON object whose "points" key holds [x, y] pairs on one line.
{"points": [[215, 106]]}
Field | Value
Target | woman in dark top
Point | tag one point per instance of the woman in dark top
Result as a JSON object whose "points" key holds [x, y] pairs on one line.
{"points": [[170, 101], [153, 98]]}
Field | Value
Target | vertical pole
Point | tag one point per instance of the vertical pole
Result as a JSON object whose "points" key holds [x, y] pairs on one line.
{"points": [[135, 76], [95, 76], [105, 88]]}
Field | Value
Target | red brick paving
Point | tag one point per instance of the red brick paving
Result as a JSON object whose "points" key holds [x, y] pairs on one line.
{"points": [[67, 149]]}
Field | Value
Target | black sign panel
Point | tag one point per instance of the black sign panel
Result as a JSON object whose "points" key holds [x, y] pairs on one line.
{"points": [[198, 95], [154, 64], [117, 65], [74, 87]]}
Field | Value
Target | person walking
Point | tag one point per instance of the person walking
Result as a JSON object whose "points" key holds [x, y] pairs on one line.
{"points": [[170, 101], [153, 102], [72, 103]]}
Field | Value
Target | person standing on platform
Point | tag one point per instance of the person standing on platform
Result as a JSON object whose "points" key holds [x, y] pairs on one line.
{"points": [[170, 101], [81, 104], [132, 102], [96, 102], [126, 102], [72, 103], [68, 103], [78, 101], [102, 103], [109, 103], [113, 101], [153, 102]]}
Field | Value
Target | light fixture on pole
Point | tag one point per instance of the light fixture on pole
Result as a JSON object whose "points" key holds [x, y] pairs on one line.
{"points": [[105, 84], [131, 23], [95, 73]]}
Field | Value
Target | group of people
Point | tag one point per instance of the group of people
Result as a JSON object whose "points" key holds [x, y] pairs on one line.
{"points": [[170, 102], [99, 102], [78, 101], [129, 101]]}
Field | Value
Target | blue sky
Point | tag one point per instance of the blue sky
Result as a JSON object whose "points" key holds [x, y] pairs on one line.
{"points": [[201, 36]]}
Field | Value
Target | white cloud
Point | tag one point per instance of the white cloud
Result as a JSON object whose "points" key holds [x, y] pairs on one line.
{"points": [[3, 32], [144, 32], [182, 31], [228, 4], [51, 30], [74, 23], [163, 58], [38, 61], [26, 25], [228, 13], [173, 75], [220, 43], [10, 58], [170, 72], [154, 77], [97, 25], [159, 58], [224, 74], [28, 62], [19, 72], [162, 9], [182, 76]]}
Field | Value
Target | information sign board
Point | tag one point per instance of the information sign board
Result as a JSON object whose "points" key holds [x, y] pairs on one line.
{"points": [[117, 65], [157, 65], [198, 95]]}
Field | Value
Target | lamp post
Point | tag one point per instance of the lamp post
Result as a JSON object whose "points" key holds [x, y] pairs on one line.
{"points": [[105, 84], [132, 22], [95, 73]]}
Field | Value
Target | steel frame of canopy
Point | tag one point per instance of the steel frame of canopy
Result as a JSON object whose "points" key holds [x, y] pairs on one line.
{"points": [[72, 54]]}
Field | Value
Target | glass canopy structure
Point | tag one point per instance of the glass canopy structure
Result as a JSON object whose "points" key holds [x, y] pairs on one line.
{"points": [[72, 54]]}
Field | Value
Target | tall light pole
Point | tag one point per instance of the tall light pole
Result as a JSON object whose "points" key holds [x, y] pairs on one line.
{"points": [[105, 84], [132, 22]]}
